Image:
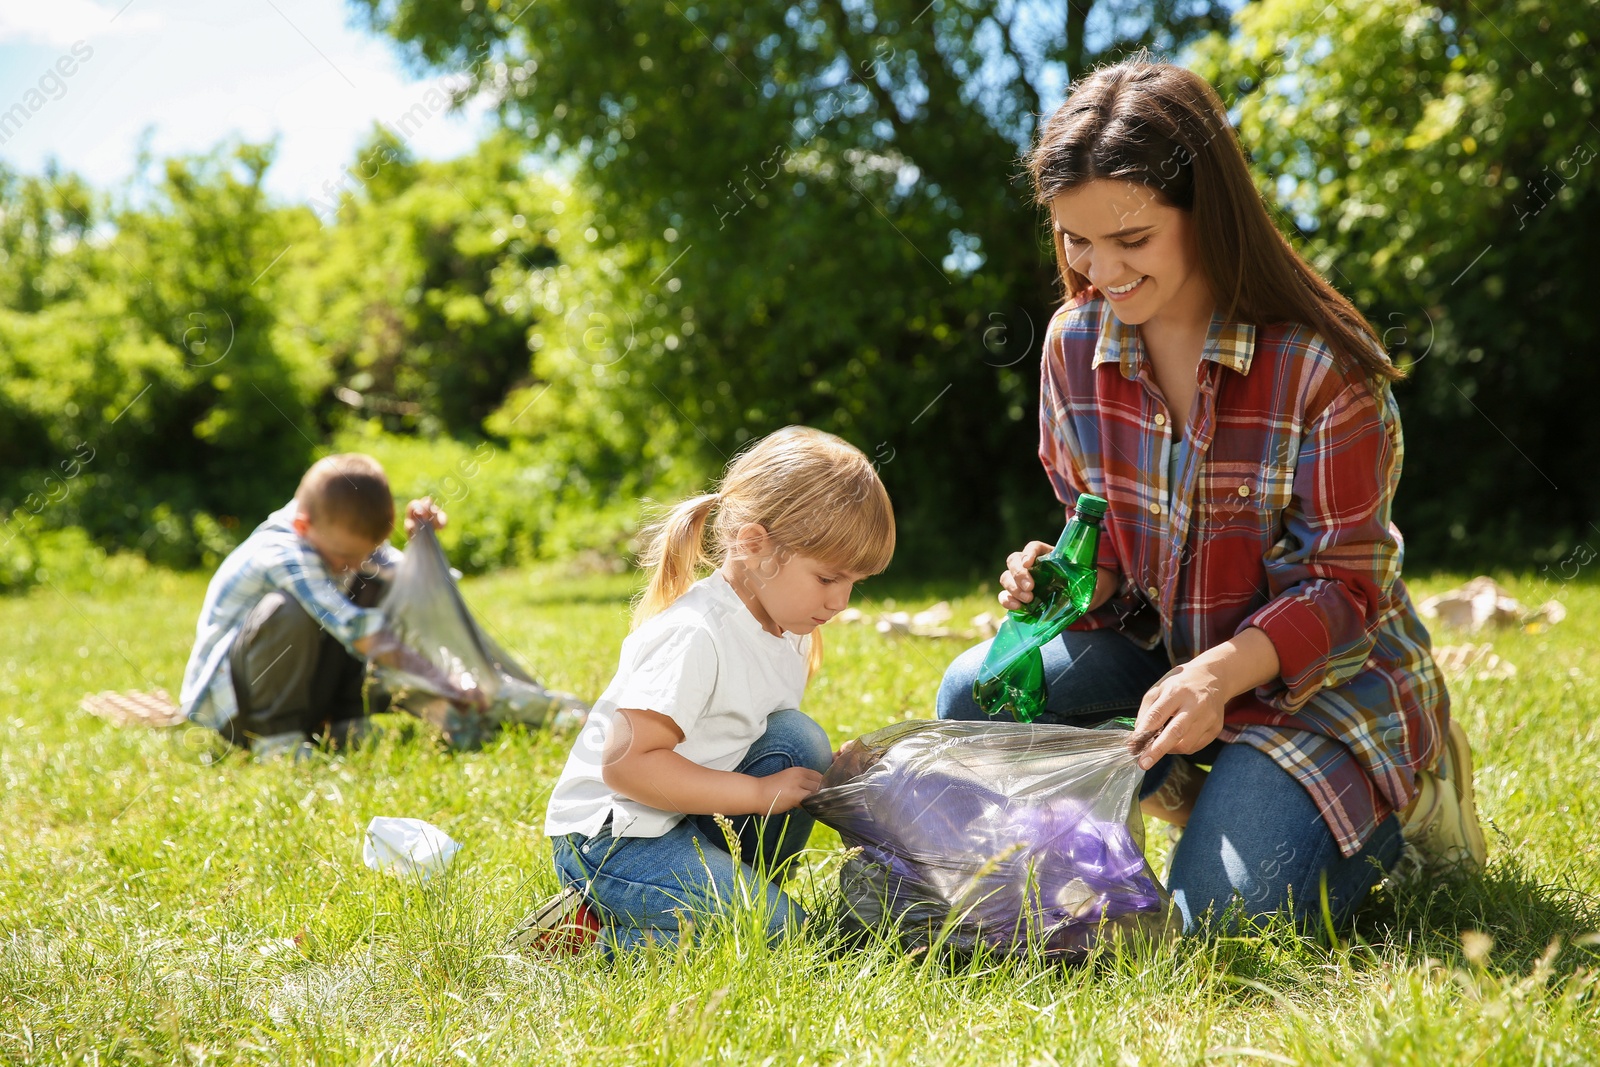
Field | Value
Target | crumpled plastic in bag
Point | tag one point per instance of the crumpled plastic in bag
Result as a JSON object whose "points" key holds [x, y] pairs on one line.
{"points": [[1014, 836], [423, 609], [402, 846]]}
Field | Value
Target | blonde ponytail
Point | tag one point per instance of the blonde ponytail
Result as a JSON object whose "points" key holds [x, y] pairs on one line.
{"points": [[677, 552], [815, 494]]}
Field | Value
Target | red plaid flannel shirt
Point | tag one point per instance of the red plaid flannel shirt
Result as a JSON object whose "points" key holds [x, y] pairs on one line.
{"points": [[1280, 520]]}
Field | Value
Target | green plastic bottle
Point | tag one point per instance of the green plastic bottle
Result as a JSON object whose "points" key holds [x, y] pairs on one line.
{"points": [[1012, 683]]}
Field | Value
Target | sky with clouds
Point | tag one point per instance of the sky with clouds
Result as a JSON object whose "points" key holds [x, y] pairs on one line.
{"points": [[197, 72]]}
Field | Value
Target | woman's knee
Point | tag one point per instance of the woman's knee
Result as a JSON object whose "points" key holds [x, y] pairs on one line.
{"points": [[1218, 885], [1258, 846], [955, 700]]}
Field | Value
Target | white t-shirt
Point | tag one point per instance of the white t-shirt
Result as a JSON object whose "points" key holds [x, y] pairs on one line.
{"points": [[706, 664]]}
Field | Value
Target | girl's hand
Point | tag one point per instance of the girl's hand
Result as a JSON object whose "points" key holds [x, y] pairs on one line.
{"points": [[1181, 713], [1016, 584], [785, 790]]}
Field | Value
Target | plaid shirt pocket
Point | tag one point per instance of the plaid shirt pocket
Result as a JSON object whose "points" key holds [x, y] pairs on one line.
{"points": [[1241, 497]]}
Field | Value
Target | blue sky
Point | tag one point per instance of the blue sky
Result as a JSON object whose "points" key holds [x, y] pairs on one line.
{"points": [[198, 72]]}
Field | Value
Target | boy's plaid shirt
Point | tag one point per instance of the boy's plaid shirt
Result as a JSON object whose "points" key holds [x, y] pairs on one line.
{"points": [[274, 558], [1279, 520]]}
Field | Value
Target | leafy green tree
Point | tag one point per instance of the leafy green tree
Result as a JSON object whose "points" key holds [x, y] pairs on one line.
{"points": [[45, 218], [152, 405], [1441, 162], [812, 217], [401, 297]]}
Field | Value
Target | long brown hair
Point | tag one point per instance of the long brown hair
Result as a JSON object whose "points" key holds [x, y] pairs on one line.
{"points": [[1165, 128]]}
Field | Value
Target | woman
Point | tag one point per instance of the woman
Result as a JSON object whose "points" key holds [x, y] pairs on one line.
{"points": [[1235, 411]]}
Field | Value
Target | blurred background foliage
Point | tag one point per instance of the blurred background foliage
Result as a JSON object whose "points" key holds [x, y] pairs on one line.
{"points": [[698, 222]]}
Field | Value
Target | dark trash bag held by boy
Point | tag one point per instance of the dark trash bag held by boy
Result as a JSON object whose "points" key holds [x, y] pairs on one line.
{"points": [[425, 612], [1013, 836]]}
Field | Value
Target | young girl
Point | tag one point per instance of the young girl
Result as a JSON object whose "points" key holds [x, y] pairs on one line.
{"points": [[1235, 411], [702, 716]]}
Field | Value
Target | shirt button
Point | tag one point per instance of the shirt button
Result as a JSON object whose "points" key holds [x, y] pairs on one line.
{"points": [[1244, 490], [1161, 420], [1155, 509], [1153, 593]]}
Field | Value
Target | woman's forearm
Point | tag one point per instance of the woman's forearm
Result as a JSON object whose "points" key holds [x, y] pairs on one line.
{"points": [[1106, 583], [663, 779], [1239, 665]]}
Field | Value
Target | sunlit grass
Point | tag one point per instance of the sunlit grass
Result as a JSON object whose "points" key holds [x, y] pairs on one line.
{"points": [[154, 908]]}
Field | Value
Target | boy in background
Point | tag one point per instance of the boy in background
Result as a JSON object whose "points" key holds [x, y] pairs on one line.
{"points": [[290, 618]]}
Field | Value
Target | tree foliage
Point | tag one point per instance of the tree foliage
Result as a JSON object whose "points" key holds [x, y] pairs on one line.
{"points": [[169, 365], [141, 391], [699, 222], [405, 297], [811, 214], [1441, 162]]}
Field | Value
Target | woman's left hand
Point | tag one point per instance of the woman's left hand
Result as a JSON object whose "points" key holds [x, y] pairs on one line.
{"points": [[1181, 713]]}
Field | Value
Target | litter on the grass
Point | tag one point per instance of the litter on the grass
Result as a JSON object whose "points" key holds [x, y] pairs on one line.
{"points": [[930, 622], [1483, 602], [132, 708], [411, 847], [1476, 661], [423, 609], [1013, 836]]}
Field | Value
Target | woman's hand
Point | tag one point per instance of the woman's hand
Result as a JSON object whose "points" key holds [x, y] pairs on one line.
{"points": [[1016, 584], [423, 511], [1181, 713]]}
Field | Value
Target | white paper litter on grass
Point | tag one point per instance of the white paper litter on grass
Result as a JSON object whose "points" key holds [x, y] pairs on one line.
{"points": [[1482, 602], [407, 847]]}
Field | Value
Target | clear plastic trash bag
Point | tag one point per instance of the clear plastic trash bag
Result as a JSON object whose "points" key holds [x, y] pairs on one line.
{"points": [[424, 611], [1019, 837]]}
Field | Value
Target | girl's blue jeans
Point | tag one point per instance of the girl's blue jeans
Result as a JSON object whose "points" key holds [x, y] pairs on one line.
{"points": [[1255, 836], [644, 886]]}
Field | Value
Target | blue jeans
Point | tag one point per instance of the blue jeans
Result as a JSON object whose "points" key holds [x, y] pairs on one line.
{"points": [[644, 886], [1255, 836]]}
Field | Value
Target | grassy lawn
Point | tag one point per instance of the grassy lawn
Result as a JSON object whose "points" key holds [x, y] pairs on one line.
{"points": [[157, 909]]}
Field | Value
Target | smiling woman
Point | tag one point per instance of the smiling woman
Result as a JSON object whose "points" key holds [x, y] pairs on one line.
{"points": [[1159, 136], [1233, 408], [1148, 266]]}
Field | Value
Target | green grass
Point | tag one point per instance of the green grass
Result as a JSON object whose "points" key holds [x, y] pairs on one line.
{"points": [[157, 909]]}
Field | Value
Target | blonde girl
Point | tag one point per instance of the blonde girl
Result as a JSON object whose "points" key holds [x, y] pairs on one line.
{"points": [[702, 716]]}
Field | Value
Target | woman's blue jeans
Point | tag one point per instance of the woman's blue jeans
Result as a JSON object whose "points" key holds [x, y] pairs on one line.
{"points": [[644, 886], [1255, 836]]}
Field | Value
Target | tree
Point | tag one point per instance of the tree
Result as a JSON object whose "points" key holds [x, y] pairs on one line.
{"points": [[1441, 163], [813, 217], [154, 381], [403, 298]]}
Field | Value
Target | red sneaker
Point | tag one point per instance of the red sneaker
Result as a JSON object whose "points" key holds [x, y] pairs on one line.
{"points": [[564, 924]]}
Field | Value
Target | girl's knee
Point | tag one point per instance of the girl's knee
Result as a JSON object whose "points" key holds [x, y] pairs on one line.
{"points": [[805, 743]]}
